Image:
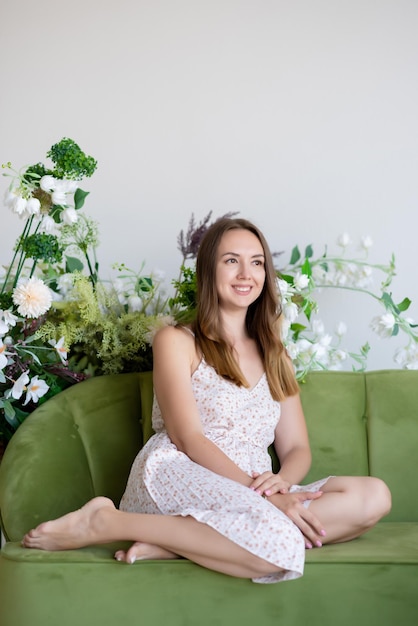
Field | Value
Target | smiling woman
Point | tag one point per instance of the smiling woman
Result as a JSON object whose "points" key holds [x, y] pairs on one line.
{"points": [[203, 486]]}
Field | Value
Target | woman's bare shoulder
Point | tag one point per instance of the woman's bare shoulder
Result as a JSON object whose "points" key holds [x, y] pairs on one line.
{"points": [[174, 347]]}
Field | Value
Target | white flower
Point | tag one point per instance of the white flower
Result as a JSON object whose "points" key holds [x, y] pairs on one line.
{"points": [[290, 311], [18, 206], [344, 240], [32, 298], [48, 183], [407, 357], [283, 287], [383, 325], [158, 322], [59, 197], [19, 387], [366, 242], [134, 303], [292, 350], [284, 328], [60, 348], [158, 274], [69, 216], [9, 196], [8, 317], [301, 281], [47, 225], [318, 327], [68, 186], [3, 353], [341, 329], [338, 356], [33, 206], [35, 390]]}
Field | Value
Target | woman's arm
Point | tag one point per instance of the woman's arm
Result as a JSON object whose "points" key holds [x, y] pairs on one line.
{"points": [[175, 359], [292, 447]]}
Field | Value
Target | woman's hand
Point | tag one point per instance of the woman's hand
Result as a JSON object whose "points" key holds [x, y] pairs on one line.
{"points": [[267, 484], [291, 504]]}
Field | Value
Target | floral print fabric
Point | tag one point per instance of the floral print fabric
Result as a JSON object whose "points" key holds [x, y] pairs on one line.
{"points": [[241, 422]]}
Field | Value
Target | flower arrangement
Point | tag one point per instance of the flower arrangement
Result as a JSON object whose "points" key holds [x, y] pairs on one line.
{"points": [[60, 322], [308, 343]]}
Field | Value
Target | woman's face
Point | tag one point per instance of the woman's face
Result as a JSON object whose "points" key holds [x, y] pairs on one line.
{"points": [[240, 270]]}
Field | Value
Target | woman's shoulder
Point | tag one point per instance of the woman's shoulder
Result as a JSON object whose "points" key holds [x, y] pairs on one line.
{"points": [[176, 337], [175, 332], [175, 344]]}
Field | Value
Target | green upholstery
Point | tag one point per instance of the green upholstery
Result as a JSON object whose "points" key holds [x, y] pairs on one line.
{"points": [[82, 442]]}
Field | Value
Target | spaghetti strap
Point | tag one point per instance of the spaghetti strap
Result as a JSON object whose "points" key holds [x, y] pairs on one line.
{"points": [[189, 330]]}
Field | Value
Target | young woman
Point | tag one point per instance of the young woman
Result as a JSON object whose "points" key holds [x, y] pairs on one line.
{"points": [[202, 487]]}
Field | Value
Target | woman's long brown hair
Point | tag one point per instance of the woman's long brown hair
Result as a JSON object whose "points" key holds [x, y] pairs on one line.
{"points": [[263, 316]]}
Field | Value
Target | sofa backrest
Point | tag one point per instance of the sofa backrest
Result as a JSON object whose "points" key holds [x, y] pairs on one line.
{"points": [[79, 444], [366, 423]]}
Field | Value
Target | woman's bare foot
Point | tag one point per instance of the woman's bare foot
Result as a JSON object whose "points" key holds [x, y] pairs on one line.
{"points": [[74, 530], [144, 551]]}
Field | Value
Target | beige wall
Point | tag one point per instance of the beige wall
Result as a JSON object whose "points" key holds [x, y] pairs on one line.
{"points": [[301, 114]]}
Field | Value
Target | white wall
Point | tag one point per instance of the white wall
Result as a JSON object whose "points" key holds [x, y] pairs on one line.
{"points": [[300, 115]]}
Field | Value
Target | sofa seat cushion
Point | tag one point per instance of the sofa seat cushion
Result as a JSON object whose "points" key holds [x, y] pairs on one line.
{"points": [[89, 587], [388, 542]]}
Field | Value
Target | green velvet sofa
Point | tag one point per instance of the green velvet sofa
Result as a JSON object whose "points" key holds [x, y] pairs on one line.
{"points": [[82, 442]]}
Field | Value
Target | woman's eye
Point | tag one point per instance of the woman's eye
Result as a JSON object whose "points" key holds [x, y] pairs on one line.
{"points": [[231, 260]]}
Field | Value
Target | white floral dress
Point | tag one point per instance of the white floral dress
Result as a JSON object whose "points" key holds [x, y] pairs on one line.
{"points": [[241, 422]]}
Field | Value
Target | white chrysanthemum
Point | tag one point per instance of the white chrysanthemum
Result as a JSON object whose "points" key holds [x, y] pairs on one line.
{"points": [[32, 298]]}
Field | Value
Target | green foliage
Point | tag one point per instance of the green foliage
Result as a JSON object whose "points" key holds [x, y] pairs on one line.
{"points": [[70, 161], [41, 246], [102, 337], [186, 291]]}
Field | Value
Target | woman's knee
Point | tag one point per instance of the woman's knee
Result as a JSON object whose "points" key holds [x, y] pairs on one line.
{"points": [[380, 499]]}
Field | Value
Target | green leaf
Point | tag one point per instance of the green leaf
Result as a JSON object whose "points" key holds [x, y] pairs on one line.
{"points": [[307, 268], [287, 277], [404, 305], [297, 329], [9, 413], [395, 330], [79, 198], [387, 300], [295, 256], [72, 264], [309, 251]]}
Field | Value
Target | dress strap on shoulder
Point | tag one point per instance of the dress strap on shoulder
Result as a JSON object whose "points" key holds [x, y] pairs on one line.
{"points": [[189, 330]]}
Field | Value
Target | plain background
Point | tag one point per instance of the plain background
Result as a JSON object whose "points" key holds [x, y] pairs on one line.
{"points": [[301, 115]]}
